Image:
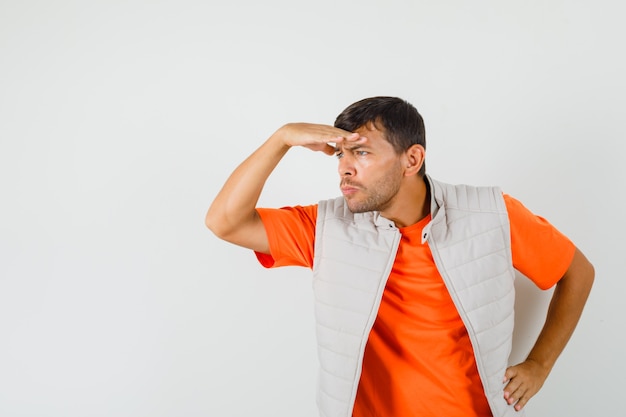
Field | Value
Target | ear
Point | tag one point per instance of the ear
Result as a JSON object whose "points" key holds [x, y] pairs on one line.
{"points": [[414, 156]]}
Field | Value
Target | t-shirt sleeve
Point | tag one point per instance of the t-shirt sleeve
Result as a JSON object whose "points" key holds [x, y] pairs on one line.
{"points": [[539, 250], [291, 236]]}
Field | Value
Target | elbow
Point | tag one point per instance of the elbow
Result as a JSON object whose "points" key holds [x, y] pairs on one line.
{"points": [[222, 226], [209, 223], [589, 271], [212, 222], [592, 274], [229, 225]]}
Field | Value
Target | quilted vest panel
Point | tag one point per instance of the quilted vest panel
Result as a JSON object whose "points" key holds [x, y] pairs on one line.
{"points": [[354, 254]]}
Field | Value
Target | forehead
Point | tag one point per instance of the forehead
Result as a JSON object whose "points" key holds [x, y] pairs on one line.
{"points": [[375, 137]]}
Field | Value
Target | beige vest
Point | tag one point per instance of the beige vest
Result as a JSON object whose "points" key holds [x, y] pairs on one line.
{"points": [[469, 238]]}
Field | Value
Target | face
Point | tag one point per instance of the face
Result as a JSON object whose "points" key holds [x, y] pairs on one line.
{"points": [[370, 171]]}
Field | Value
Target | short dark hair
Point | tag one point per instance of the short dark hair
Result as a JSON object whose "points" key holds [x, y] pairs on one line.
{"points": [[400, 122]]}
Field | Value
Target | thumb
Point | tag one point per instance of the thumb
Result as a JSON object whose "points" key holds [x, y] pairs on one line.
{"points": [[329, 150]]}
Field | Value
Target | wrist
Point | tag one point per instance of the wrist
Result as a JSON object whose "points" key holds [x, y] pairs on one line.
{"points": [[545, 366], [281, 137]]}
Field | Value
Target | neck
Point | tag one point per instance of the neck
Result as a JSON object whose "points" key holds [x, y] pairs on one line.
{"points": [[411, 204]]}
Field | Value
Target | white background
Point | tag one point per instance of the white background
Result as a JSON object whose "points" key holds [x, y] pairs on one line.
{"points": [[120, 120]]}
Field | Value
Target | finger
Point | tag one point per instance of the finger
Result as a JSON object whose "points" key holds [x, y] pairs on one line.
{"points": [[521, 403], [350, 137], [511, 388], [510, 373], [522, 392], [512, 397], [344, 133], [513, 384], [329, 150], [355, 137]]}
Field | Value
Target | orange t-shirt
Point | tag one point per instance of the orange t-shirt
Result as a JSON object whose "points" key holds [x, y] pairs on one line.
{"points": [[418, 359]]}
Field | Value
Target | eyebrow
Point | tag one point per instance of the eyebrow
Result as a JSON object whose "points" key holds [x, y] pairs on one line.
{"points": [[353, 147]]}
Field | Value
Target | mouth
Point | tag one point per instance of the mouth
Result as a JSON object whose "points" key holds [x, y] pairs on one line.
{"points": [[348, 189]]}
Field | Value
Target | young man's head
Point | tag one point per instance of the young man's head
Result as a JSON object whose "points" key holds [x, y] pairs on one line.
{"points": [[379, 169], [397, 119]]}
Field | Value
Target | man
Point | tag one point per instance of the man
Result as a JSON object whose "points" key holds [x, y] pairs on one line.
{"points": [[413, 278]]}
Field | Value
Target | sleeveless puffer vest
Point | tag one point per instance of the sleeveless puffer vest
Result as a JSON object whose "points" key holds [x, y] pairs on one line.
{"points": [[469, 238]]}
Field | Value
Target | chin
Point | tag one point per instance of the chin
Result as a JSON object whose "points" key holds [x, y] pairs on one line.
{"points": [[355, 207]]}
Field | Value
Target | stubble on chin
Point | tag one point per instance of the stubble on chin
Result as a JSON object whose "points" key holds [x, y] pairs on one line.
{"points": [[364, 206]]}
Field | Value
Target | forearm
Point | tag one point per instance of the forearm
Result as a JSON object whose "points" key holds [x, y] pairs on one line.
{"points": [[235, 204], [569, 298], [233, 216], [566, 306]]}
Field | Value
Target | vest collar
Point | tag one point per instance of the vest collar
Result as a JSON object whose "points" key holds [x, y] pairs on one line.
{"points": [[437, 207]]}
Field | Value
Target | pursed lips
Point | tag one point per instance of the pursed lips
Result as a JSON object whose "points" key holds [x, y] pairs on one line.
{"points": [[349, 188]]}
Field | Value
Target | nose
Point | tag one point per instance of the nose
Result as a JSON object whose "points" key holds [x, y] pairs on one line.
{"points": [[346, 166]]}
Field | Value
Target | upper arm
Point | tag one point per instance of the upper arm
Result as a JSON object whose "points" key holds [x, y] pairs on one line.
{"points": [[539, 250], [287, 234], [579, 276], [249, 233]]}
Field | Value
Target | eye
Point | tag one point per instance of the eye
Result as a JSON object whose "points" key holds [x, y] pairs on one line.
{"points": [[362, 153], [339, 154]]}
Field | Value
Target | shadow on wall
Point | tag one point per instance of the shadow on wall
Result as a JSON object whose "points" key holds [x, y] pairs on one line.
{"points": [[531, 306]]}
